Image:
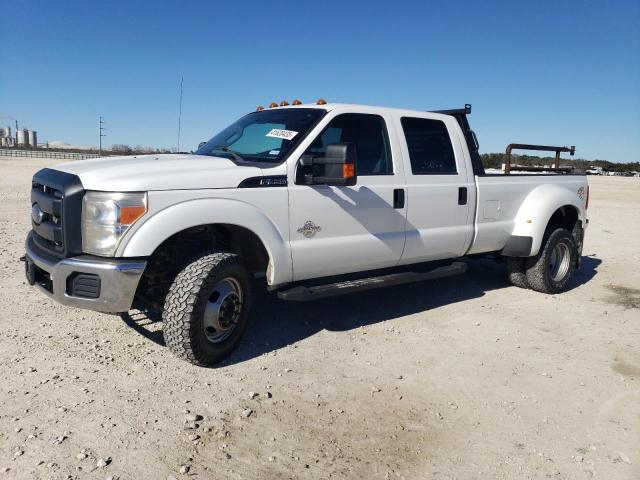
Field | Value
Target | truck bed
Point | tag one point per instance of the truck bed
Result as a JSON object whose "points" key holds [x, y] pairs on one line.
{"points": [[499, 198]]}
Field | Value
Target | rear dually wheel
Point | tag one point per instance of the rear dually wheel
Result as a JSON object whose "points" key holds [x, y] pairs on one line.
{"points": [[551, 270]]}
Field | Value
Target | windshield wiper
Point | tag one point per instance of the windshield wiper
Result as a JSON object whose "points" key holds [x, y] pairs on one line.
{"points": [[233, 153]]}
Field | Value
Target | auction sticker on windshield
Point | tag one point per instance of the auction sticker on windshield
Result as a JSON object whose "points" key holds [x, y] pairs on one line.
{"points": [[286, 134]]}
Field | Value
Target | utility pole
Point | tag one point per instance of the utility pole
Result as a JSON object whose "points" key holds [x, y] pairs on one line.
{"points": [[180, 112], [100, 134]]}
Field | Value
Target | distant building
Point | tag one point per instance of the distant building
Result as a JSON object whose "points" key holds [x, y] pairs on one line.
{"points": [[33, 138], [23, 138], [6, 140]]}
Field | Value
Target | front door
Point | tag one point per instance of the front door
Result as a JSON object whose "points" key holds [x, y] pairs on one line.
{"points": [[336, 230]]}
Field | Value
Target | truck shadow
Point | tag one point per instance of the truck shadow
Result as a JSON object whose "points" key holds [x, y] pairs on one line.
{"points": [[276, 324], [588, 270]]}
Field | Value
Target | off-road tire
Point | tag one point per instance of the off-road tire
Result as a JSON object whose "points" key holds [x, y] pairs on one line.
{"points": [[539, 273], [185, 303], [517, 271]]}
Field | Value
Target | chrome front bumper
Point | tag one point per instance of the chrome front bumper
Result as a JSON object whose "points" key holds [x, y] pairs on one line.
{"points": [[119, 278]]}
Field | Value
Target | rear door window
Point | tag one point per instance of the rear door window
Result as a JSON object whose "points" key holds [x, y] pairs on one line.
{"points": [[429, 145]]}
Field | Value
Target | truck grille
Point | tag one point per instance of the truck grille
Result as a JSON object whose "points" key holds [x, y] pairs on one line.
{"points": [[56, 208]]}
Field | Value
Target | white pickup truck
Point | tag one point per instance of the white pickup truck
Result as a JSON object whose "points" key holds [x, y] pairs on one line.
{"points": [[311, 199]]}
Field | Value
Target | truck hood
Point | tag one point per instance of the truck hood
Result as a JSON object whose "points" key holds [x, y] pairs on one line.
{"points": [[158, 172]]}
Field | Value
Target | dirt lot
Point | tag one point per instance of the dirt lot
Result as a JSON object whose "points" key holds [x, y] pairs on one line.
{"points": [[462, 378]]}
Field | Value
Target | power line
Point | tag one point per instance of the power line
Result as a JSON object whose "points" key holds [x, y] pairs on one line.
{"points": [[180, 112], [100, 134]]}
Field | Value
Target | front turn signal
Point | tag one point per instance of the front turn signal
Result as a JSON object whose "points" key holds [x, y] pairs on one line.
{"points": [[131, 213]]}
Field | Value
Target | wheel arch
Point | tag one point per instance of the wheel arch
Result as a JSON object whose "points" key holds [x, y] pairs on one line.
{"points": [[547, 205], [243, 222]]}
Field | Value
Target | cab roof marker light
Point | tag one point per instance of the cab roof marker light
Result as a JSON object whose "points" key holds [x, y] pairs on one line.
{"points": [[296, 102], [284, 103], [260, 108], [321, 101], [273, 105]]}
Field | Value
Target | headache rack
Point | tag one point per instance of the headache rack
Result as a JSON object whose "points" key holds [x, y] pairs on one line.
{"points": [[460, 114], [543, 148]]}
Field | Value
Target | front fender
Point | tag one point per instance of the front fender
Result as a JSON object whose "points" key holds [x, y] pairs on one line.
{"points": [[148, 236], [538, 207]]}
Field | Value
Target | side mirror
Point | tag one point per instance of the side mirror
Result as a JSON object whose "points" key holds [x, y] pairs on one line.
{"points": [[336, 168], [201, 144]]}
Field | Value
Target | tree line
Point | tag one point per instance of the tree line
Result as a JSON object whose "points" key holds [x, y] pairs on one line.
{"points": [[122, 149]]}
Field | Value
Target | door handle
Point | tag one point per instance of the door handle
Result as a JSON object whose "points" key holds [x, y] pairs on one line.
{"points": [[398, 198], [462, 196]]}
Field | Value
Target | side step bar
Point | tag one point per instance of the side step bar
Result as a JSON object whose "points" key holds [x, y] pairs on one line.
{"points": [[301, 293]]}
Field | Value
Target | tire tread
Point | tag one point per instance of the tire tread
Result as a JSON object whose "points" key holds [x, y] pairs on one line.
{"points": [[517, 272], [537, 275], [182, 305]]}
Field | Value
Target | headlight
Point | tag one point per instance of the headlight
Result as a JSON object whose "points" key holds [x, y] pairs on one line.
{"points": [[106, 216]]}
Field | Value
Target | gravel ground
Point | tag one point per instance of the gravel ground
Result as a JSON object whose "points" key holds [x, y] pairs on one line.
{"points": [[463, 378]]}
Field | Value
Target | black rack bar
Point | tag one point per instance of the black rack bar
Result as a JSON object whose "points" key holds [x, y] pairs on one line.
{"points": [[543, 148], [455, 111]]}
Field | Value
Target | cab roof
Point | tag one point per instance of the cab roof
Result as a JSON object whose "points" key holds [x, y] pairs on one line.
{"points": [[357, 107]]}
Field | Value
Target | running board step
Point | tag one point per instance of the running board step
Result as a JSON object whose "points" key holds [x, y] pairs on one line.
{"points": [[301, 293]]}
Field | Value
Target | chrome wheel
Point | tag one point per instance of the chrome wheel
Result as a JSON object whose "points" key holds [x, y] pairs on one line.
{"points": [[559, 262], [222, 311]]}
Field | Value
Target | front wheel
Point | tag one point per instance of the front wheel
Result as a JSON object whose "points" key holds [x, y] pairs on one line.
{"points": [[207, 308], [551, 270]]}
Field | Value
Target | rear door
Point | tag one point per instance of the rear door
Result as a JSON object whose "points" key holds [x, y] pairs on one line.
{"points": [[336, 230], [440, 188]]}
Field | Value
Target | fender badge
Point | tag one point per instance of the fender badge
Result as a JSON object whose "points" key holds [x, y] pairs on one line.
{"points": [[581, 193], [309, 229]]}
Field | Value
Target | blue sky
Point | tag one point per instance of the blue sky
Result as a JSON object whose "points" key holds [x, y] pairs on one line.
{"points": [[554, 72]]}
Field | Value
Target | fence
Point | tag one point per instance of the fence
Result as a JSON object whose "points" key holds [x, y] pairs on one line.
{"points": [[4, 152]]}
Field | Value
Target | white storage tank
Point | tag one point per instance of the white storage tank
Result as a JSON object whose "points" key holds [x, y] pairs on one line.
{"points": [[33, 138], [22, 137]]}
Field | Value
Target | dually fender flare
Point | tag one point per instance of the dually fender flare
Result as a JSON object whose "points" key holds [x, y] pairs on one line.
{"points": [[191, 213], [536, 211]]}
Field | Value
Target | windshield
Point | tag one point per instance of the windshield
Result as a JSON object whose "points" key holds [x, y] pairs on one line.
{"points": [[265, 136]]}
